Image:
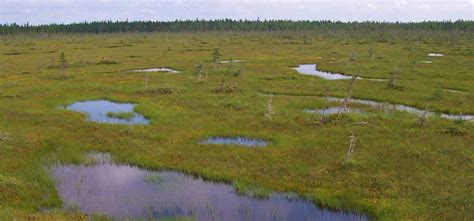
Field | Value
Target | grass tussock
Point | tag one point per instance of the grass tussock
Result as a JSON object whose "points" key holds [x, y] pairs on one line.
{"points": [[107, 62], [157, 90], [121, 115]]}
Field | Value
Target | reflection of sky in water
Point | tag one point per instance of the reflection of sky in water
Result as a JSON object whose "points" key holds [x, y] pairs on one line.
{"points": [[230, 61], [97, 111], [124, 191], [242, 141], [310, 69], [403, 108], [332, 110], [167, 70]]}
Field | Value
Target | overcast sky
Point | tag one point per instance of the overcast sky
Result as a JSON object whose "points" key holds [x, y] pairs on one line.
{"points": [[68, 11]]}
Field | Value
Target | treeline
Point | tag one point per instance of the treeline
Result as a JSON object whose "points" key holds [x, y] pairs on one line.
{"points": [[234, 25]]}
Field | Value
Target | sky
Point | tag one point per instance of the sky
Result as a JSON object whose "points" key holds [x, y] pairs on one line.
{"points": [[69, 11]]}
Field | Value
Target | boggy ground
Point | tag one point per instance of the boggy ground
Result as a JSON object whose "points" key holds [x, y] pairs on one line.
{"points": [[398, 170]]}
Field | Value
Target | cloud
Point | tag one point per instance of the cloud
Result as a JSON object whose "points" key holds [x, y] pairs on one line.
{"points": [[68, 11], [425, 6], [400, 3], [371, 6]]}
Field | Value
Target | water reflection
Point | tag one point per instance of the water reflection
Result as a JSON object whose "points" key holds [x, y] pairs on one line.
{"points": [[310, 69], [103, 111], [122, 191], [435, 55], [241, 141], [331, 110], [168, 70], [404, 108]]}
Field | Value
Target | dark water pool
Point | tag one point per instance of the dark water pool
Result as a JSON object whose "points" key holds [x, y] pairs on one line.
{"points": [[97, 111], [122, 191]]}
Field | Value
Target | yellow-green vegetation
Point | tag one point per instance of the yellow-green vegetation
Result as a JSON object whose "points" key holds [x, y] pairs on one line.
{"points": [[121, 115], [398, 169]]}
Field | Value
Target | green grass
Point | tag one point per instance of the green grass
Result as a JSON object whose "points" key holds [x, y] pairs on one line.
{"points": [[398, 169], [121, 115]]}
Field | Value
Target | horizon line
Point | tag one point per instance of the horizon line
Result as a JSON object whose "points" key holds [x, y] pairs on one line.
{"points": [[239, 20]]}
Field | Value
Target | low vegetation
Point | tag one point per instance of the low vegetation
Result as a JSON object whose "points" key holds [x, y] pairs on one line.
{"points": [[121, 115], [399, 165]]}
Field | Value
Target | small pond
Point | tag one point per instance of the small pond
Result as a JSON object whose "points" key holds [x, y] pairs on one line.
{"points": [[230, 61], [404, 108], [454, 91], [123, 191], [435, 55], [241, 141], [167, 70], [104, 111], [311, 69]]}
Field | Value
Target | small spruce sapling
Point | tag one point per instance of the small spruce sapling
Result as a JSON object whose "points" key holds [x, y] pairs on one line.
{"points": [[62, 63], [371, 54], [198, 72], [216, 56], [348, 95], [327, 93], [422, 118], [146, 80], [269, 112], [231, 70], [221, 86], [392, 83], [350, 151], [351, 56]]}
